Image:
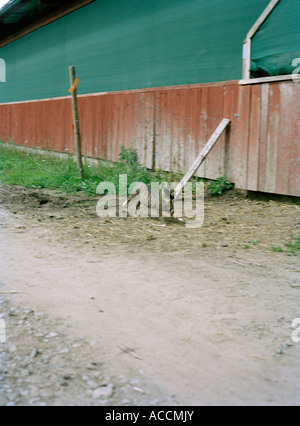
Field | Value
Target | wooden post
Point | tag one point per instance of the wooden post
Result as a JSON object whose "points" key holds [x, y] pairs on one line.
{"points": [[73, 91], [247, 49], [203, 154]]}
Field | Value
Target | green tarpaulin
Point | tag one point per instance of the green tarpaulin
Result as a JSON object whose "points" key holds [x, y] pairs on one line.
{"points": [[119, 45], [277, 43]]}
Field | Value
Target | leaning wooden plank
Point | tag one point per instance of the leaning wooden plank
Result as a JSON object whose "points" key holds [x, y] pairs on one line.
{"points": [[263, 17], [203, 154]]}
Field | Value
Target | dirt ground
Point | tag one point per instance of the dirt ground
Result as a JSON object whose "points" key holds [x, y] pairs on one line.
{"points": [[126, 312]]}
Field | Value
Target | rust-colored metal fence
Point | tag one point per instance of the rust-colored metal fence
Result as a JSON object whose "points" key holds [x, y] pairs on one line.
{"points": [[169, 126]]}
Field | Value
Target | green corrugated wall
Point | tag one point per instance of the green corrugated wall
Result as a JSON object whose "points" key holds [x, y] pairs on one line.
{"points": [[131, 44]]}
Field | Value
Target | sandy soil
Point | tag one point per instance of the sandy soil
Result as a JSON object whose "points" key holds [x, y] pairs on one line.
{"points": [[208, 310]]}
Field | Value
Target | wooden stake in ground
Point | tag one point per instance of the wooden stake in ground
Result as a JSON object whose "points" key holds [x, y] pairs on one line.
{"points": [[203, 154], [74, 82]]}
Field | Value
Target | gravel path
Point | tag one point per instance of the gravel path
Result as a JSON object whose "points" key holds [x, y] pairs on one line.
{"points": [[209, 310], [42, 365]]}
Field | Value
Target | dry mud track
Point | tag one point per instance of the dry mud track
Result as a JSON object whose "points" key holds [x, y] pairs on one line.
{"points": [[204, 314]]}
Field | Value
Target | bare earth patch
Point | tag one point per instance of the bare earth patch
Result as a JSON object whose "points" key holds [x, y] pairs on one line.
{"points": [[168, 315]]}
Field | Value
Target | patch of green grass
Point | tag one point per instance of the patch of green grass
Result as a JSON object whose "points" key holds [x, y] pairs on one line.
{"points": [[294, 245], [38, 171], [276, 249], [219, 186], [251, 244], [290, 248]]}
